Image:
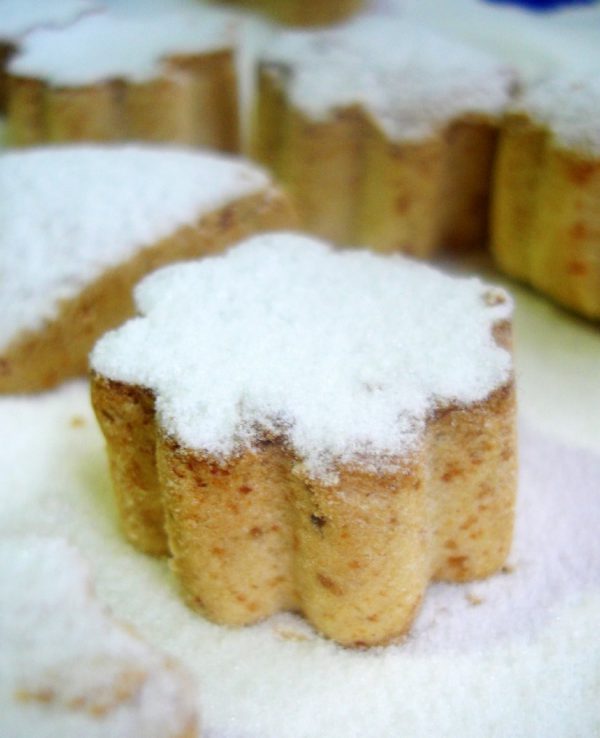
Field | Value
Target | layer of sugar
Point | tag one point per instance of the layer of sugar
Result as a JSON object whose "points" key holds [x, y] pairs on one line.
{"points": [[19, 16], [523, 662], [66, 667], [67, 214], [111, 45], [569, 106], [560, 47], [536, 43], [409, 78], [346, 352]]}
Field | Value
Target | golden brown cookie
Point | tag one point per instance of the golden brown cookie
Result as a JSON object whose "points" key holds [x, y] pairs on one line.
{"points": [[83, 224], [384, 133], [302, 12], [327, 432], [546, 213], [167, 76]]}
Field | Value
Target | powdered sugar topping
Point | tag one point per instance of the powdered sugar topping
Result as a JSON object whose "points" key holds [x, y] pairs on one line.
{"points": [[19, 16], [66, 667], [68, 214], [411, 80], [346, 353], [107, 46], [567, 104]]}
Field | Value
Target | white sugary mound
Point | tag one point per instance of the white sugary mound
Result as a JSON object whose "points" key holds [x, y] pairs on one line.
{"points": [[569, 106], [69, 213], [514, 655], [412, 80], [557, 53], [346, 352], [19, 16], [107, 46], [66, 667]]}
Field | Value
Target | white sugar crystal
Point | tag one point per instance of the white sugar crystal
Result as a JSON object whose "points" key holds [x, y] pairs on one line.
{"points": [[410, 79], [66, 668], [67, 214], [19, 16], [569, 106], [106, 46], [348, 352]]}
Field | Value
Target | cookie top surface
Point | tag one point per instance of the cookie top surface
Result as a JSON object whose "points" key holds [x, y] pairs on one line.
{"points": [[68, 668], [70, 213], [568, 105], [108, 46], [411, 80], [346, 353], [20, 16]]}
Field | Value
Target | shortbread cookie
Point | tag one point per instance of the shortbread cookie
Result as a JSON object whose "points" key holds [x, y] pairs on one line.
{"points": [[164, 76], [67, 668], [383, 131], [81, 225], [302, 12], [304, 429], [546, 215], [18, 17]]}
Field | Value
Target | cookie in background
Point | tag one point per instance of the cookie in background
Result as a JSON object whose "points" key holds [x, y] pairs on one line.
{"points": [[19, 17], [384, 132], [165, 76], [302, 12], [546, 206], [82, 224]]}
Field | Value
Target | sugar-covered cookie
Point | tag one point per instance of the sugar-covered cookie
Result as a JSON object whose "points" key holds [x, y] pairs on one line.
{"points": [[304, 429], [168, 75], [384, 132], [19, 17], [302, 12], [81, 224], [546, 222]]}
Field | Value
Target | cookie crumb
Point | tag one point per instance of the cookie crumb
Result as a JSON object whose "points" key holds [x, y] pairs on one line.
{"points": [[474, 599], [287, 634]]}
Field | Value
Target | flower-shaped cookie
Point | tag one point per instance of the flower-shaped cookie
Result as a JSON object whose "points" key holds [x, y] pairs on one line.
{"points": [[312, 430]]}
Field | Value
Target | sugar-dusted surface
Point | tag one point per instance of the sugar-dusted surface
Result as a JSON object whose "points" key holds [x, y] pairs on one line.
{"points": [[517, 655], [66, 667], [346, 352], [69, 213], [19, 16], [557, 54], [410, 79], [569, 106], [112, 45]]}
